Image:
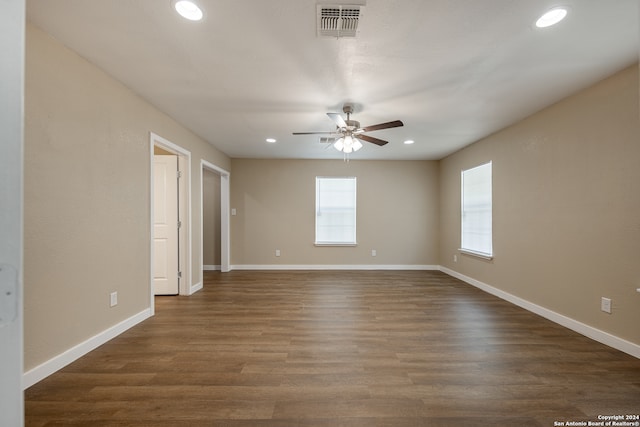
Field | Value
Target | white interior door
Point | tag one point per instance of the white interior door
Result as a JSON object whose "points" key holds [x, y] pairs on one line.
{"points": [[165, 225]]}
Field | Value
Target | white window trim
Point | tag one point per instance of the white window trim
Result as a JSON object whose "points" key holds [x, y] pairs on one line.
{"points": [[477, 254]]}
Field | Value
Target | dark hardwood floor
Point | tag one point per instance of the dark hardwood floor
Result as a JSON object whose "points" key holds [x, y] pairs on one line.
{"points": [[339, 348]]}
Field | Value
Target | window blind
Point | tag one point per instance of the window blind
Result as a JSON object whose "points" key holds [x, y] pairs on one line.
{"points": [[335, 211], [477, 233]]}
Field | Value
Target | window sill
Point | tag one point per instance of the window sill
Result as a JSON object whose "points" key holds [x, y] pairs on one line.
{"points": [[334, 244], [481, 255]]}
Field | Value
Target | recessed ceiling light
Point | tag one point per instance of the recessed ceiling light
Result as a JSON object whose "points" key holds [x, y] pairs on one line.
{"points": [[409, 141], [270, 140], [188, 9], [552, 17]]}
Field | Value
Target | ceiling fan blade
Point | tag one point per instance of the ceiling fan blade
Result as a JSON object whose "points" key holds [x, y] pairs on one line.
{"points": [[394, 124], [337, 119], [371, 139], [314, 133]]}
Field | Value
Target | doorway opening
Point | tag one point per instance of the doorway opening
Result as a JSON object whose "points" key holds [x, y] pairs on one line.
{"points": [[214, 217], [182, 272]]}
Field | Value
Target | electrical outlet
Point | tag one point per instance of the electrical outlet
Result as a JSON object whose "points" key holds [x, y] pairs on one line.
{"points": [[605, 305], [114, 299], [374, 252], [277, 252], [455, 258]]}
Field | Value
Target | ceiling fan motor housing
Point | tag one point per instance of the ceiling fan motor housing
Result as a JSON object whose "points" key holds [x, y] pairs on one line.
{"points": [[352, 124]]}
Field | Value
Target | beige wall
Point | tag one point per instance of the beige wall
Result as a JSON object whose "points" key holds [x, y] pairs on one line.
{"points": [[86, 218], [566, 204], [210, 218], [397, 212], [566, 200]]}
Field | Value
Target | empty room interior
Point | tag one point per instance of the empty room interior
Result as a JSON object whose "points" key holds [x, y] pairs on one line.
{"points": [[389, 213]]}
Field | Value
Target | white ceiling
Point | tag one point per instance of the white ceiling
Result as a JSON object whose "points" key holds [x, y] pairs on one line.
{"points": [[453, 71]]}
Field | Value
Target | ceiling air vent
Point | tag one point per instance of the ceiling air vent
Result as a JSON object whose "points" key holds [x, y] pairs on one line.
{"points": [[338, 21]]}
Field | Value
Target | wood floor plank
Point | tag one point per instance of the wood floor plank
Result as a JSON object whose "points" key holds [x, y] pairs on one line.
{"points": [[358, 408], [339, 348]]}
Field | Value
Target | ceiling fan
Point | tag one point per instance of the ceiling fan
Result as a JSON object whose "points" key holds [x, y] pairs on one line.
{"points": [[348, 132]]}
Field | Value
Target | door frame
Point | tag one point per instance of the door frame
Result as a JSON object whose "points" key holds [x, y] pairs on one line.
{"points": [[12, 46], [184, 164], [224, 216]]}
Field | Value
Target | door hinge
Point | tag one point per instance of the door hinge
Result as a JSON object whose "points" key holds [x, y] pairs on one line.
{"points": [[179, 224], [179, 274], [179, 174]]}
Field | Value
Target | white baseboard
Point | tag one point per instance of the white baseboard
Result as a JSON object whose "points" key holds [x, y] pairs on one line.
{"points": [[195, 288], [579, 327], [332, 267], [60, 361], [211, 267]]}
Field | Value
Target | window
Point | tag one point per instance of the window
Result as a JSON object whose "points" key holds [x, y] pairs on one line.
{"points": [[335, 211], [477, 211]]}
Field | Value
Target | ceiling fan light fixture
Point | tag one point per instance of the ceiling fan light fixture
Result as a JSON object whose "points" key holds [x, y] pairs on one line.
{"points": [[552, 17], [348, 141], [188, 9], [347, 144]]}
